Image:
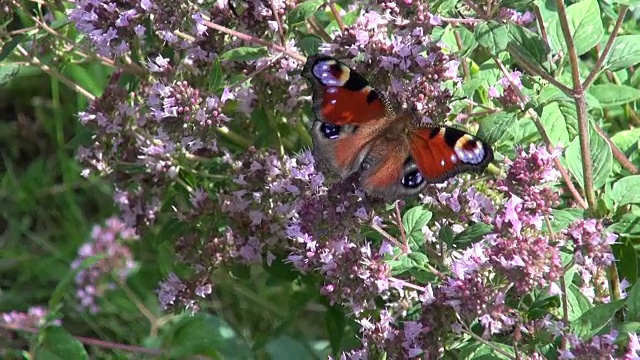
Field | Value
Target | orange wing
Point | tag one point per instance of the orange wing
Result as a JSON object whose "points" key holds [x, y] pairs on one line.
{"points": [[356, 130], [342, 96], [349, 114], [402, 166], [441, 152], [343, 147]]}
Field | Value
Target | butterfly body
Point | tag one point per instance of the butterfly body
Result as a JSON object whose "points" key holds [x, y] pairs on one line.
{"points": [[357, 130]]}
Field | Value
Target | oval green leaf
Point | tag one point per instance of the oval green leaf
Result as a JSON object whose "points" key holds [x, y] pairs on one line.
{"points": [[626, 190], [614, 95], [585, 26], [601, 157], [625, 52]]}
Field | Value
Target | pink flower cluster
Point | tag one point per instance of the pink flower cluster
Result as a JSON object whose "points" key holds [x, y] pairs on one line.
{"points": [[113, 259]]}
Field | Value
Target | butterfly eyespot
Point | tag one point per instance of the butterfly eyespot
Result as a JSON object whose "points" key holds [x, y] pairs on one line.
{"points": [[330, 131], [413, 179]]}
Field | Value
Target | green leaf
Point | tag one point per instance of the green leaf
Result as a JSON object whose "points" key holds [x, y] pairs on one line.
{"points": [[422, 276], [560, 120], [495, 126], [489, 72], [204, 334], [216, 76], [614, 95], [286, 347], [446, 235], [626, 190], [266, 135], [303, 11], [600, 154], [10, 45], [58, 23], [551, 93], [585, 26], [310, 44], [419, 259], [626, 260], [413, 221], [399, 266], [630, 3], [570, 271], [625, 52], [443, 6], [336, 322], [627, 140], [527, 46], [595, 319], [481, 351], [578, 304], [8, 72], [493, 36], [542, 303], [281, 271], [85, 77], [472, 234], [55, 343], [626, 328], [469, 87], [629, 224], [244, 54], [564, 217], [468, 42]]}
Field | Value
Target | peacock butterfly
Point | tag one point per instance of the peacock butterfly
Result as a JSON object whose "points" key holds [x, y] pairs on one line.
{"points": [[357, 130]]}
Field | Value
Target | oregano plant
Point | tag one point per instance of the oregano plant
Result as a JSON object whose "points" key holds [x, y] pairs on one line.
{"points": [[210, 228]]}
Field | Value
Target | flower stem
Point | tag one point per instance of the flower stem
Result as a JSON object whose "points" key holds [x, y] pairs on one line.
{"points": [[55, 74], [95, 342], [255, 40], [336, 15]]}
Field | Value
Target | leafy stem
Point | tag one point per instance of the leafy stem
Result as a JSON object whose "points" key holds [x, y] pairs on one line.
{"points": [[617, 153], [545, 137], [283, 39], [578, 95], [536, 70], [336, 15], [607, 48]]}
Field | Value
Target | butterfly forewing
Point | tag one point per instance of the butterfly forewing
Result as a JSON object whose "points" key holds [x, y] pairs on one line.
{"points": [[341, 95], [443, 152]]}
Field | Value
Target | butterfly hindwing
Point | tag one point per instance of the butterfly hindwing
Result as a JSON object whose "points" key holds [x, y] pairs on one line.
{"points": [[340, 147], [389, 171]]}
